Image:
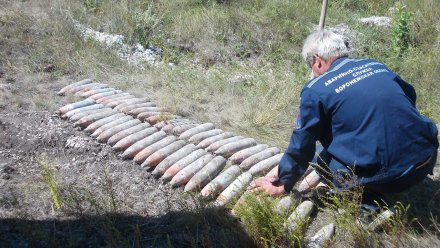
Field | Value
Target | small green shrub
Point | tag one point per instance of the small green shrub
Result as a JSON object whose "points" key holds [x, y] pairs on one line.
{"points": [[92, 5], [145, 22], [49, 179], [400, 29]]}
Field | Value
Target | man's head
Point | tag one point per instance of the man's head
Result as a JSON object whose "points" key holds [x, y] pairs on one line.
{"points": [[321, 48]]}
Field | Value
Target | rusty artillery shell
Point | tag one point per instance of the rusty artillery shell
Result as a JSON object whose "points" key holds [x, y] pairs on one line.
{"points": [[104, 136], [204, 135], [105, 94], [266, 165], [96, 91], [234, 190], [208, 141], [111, 124], [140, 110], [168, 128], [216, 145], [184, 175], [131, 139], [159, 155], [75, 105], [206, 174], [89, 119], [105, 98], [115, 101], [90, 87], [178, 130], [303, 211], [228, 149], [126, 132], [172, 159], [273, 173], [195, 130], [220, 183], [136, 103], [250, 161], [115, 104], [323, 237], [182, 163], [309, 182], [68, 87], [152, 148], [239, 156], [78, 110], [158, 118], [82, 114], [75, 89], [134, 149], [161, 124], [97, 124], [130, 106]]}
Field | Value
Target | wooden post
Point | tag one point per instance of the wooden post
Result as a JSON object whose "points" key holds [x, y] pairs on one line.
{"points": [[323, 14]]}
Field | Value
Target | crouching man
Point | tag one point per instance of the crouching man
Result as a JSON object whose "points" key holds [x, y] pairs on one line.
{"points": [[365, 119]]}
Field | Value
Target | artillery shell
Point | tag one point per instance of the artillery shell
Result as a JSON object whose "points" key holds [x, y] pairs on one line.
{"points": [[97, 124], [239, 156], [207, 173], [104, 94], [234, 189], [195, 130], [172, 159], [115, 101], [159, 155], [182, 163], [208, 141], [96, 91], [309, 182], [284, 204], [204, 135], [90, 87], [126, 132], [78, 110], [216, 145], [178, 130], [102, 99], [323, 237], [87, 120], [152, 148], [130, 106], [111, 124], [137, 103], [184, 175], [250, 161], [104, 136], [140, 112], [158, 118], [75, 89], [128, 141], [129, 101], [161, 124], [273, 173], [168, 128], [134, 149], [75, 105], [68, 87], [82, 114], [222, 181], [228, 149], [265, 165], [301, 212]]}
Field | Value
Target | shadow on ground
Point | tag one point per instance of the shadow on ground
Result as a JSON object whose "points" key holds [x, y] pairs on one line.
{"points": [[210, 228]]}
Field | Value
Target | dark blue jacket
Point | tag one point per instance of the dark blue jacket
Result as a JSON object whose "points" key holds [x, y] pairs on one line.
{"points": [[365, 116]]}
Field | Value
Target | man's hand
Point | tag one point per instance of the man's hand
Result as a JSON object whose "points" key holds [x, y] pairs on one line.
{"points": [[267, 185]]}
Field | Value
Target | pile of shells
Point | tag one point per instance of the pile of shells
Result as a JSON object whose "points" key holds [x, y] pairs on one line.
{"points": [[196, 156]]}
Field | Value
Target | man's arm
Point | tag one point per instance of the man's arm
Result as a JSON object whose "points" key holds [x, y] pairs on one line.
{"points": [[407, 88]]}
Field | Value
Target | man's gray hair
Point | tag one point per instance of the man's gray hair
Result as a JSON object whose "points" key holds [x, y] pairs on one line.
{"points": [[324, 43]]}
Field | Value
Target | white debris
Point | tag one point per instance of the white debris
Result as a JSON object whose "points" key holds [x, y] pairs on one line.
{"points": [[136, 54], [379, 21], [76, 142]]}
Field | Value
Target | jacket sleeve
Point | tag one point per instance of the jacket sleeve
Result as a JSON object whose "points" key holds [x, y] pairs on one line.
{"points": [[302, 144]]}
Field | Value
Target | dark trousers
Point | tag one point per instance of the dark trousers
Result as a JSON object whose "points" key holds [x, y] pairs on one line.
{"points": [[345, 179]]}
